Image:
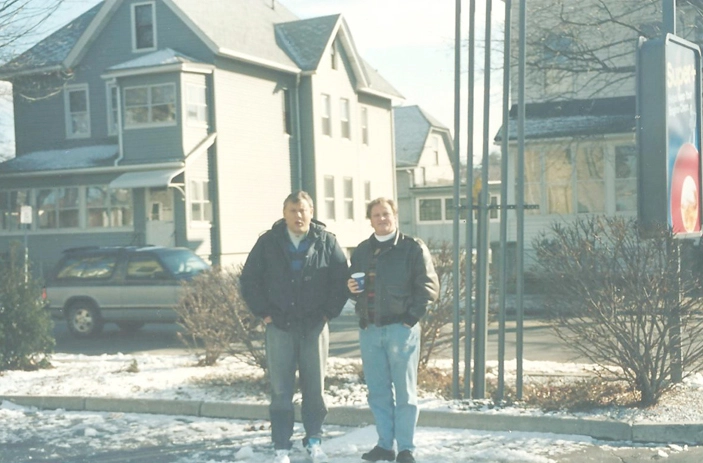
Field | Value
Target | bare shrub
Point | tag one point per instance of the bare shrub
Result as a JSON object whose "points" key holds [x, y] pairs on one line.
{"points": [[615, 297], [217, 321], [440, 314]]}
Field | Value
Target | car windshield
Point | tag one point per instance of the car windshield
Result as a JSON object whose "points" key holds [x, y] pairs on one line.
{"points": [[184, 263]]}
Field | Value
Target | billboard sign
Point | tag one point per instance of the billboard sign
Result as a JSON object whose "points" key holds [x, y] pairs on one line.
{"points": [[669, 135]]}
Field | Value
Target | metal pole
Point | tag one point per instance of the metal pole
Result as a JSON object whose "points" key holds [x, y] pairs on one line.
{"points": [[482, 306], [468, 319], [504, 204], [26, 255], [669, 17], [520, 200], [457, 181]]}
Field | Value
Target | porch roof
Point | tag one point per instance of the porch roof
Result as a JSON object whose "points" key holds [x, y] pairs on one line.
{"points": [[146, 179]]}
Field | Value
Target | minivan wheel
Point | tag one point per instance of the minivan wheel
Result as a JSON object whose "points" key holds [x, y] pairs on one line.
{"points": [[129, 327], [83, 320]]}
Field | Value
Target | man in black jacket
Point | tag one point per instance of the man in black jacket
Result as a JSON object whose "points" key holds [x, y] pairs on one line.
{"points": [[295, 279], [400, 282]]}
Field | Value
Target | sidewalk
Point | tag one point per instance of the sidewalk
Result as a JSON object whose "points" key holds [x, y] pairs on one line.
{"points": [[602, 429]]}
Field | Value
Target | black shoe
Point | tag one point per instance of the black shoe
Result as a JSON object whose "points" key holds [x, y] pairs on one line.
{"points": [[379, 453], [405, 456]]}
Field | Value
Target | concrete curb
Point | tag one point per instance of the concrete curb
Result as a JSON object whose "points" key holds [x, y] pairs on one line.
{"points": [[658, 433]]}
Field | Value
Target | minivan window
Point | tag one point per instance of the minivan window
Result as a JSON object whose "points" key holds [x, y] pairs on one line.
{"points": [[94, 266], [145, 267], [183, 262]]}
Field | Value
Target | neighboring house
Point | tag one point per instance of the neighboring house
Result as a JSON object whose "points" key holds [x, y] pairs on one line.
{"points": [[183, 122], [425, 178], [580, 144]]}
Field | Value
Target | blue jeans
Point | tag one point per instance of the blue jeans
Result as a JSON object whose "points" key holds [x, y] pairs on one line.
{"points": [[390, 355], [286, 352]]}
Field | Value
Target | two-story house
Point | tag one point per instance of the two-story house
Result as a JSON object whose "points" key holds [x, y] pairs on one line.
{"points": [[183, 122], [425, 179]]}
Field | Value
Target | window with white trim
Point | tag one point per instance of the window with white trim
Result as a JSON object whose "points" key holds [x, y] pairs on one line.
{"points": [[11, 201], [77, 106], [112, 109], [367, 192], [449, 210], [329, 197], [143, 26], [326, 115], [196, 104], [349, 198], [107, 207], [364, 116], [150, 105], [344, 118], [429, 209], [200, 206]]}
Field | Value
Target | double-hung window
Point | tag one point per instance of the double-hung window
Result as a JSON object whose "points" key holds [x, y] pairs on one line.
{"points": [[150, 105], [329, 197], [196, 104], [200, 206], [143, 26], [77, 107], [112, 109], [326, 115], [344, 118], [349, 198], [364, 116]]}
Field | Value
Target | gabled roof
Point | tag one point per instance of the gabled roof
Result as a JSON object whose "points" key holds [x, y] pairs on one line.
{"points": [[306, 42], [412, 127], [574, 118], [261, 32], [52, 51]]}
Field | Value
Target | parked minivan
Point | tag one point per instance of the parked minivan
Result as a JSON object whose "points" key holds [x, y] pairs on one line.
{"points": [[125, 285]]}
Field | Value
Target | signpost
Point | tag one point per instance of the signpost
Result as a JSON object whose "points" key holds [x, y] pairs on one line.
{"points": [[26, 222]]}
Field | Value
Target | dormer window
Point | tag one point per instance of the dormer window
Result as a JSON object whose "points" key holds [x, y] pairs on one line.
{"points": [[143, 26]]}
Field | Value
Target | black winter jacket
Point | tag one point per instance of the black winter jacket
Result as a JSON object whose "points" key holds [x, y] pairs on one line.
{"points": [[270, 287], [406, 281]]}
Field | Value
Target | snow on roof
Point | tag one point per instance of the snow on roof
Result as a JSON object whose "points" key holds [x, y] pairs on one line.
{"points": [[157, 58], [63, 159]]}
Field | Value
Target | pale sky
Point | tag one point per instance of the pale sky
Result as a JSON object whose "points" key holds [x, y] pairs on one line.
{"points": [[411, 44]]}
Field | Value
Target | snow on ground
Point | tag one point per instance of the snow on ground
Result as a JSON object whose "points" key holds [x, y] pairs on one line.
{"points": [[178, 378]]}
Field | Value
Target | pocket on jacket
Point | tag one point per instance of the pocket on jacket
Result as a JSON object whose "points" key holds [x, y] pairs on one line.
{"points": [[397, 298]]}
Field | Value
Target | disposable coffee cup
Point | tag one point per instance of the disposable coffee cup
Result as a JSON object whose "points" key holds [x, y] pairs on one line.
{"points": [[359, 278]]}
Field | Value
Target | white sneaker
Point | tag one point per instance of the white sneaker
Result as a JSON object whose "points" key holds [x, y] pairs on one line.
{"points": [[281, 457], [315, 452]]}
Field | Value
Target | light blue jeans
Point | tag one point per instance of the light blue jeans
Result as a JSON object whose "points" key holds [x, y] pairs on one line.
{"points": [[390, 355], [287, 352]]}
